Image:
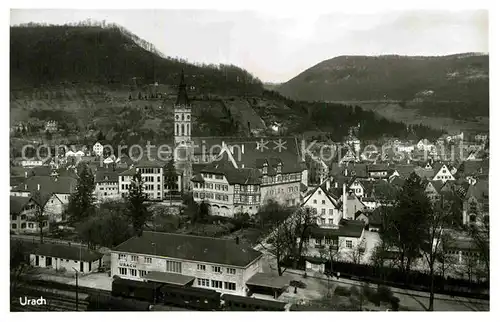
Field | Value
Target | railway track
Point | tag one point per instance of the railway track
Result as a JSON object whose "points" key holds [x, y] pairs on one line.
{"points": [[55, 300]]}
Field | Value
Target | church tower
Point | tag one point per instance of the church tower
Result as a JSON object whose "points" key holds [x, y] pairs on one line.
{"points": [[182, 116]]}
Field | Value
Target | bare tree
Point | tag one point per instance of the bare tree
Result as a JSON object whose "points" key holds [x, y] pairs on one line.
{"points": [[481, 239], [330, 254], [300, 223], [357, 253], [40, 216], [279, 245], [446, 260], [433, 234]]}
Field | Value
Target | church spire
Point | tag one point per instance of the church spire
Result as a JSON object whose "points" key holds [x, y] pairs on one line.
{"points": [[182, 97]]}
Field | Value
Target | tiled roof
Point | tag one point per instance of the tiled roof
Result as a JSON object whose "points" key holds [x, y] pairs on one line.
{"points": [[41, 171], [423, 173], [189, 247], [14, 181], [17, 203], [348, 228], [198, 178], [479, 190], [398, 182], [438, 185], [149, 164], [61, 184], [76, 253], [375, 217], [468, 168], [106, 176], [327, 193], [404, 170], [128, 172], [377, 167]]}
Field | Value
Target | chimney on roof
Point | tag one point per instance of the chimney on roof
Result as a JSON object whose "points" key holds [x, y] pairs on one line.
{"points": [[38, 187], [336, 184], [327, 183], [243, 148], [25, 174]]}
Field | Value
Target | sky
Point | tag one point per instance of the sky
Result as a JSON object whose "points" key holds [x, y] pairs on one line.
{"points": [[277, 47]]}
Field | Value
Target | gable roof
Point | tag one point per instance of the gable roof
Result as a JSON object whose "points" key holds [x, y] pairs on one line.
{"points": [[480, 190], [404, 170], [327, 194], [423, 173], [437, 185], [233, 175], [65, 185], [67, 252], [17, 203], [190, 247]]}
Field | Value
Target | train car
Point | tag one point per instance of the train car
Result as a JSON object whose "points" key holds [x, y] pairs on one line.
{"points": [[243, 303], [144, 291], [105, 302], [190, 298]]}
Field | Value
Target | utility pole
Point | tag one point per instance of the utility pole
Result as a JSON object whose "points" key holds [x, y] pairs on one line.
{"points": [[76, 277]]}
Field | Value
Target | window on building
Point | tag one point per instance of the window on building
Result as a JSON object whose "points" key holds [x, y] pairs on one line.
{"points": [[323, 221], [231, 271], [30, 225], [14, 226], [323, 211], [121, 271], [174, 267], [330, 221], [216, 284], [216, 269], [122, 257], [315, 201], [323, 202], [23, 225], [330, 212], [203, 282], [230, 286], [201, 267], [142, 273], [133, 272], [148, 260], [348, 243]]}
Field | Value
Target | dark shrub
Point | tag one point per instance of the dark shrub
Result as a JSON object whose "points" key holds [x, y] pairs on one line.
{"points": [[342, 291], [384, 293]]}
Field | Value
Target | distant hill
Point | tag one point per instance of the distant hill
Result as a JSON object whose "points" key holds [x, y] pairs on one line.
{"points": [[107, 55], [461, 78]]}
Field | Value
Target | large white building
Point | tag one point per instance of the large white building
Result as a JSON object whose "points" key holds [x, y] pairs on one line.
{"points": [[153, 179], [223, 265]]}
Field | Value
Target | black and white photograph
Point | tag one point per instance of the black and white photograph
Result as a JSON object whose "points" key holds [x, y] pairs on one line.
{"points": [[254, 159]]}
